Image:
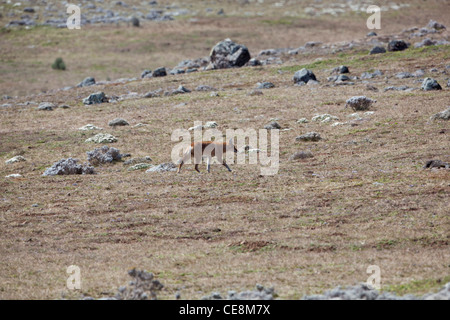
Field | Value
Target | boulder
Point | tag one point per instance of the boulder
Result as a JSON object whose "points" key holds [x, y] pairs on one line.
{"points": [[228, 54]]}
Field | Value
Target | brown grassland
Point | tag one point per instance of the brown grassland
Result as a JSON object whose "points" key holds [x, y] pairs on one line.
{"points": [[363, 199]]}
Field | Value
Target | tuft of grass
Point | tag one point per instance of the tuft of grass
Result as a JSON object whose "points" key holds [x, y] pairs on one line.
{"points": [[417, 286], [59, 64]]}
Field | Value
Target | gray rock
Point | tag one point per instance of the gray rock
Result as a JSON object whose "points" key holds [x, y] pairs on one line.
{"points": [[404, 75], [103, 155], [205, 88], [359, 103], [255, 93], [253, 62], [163, 167], [118, 122], [435, 25], [397, 45], [95, 98], [377, 50], [228, 54], [265, 85], [304, 75], [155, 93], [89, 81], [430, 84], [261, 293], [401, 88], [135, 22], [89, 127], [272, 125], [443, 115], [146, 74], [424, 43], [310, 136], [68, 166], [369, 75], [371, 34], [48, 106]]}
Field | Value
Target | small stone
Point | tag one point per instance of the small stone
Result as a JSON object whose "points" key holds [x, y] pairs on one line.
{"points": [[272, 125], [310, 136], [118, 122], [265, 85], [302, 120]]}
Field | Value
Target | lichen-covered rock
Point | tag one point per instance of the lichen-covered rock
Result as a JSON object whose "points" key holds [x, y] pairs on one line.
{"points": [[89, 127], [15, 159], [228, 54], [140, 166], [443, 115], [430, 84], [163, 167], [324, 118], [102, 138], [68, 166], [359, 103], [103, 155], [95, 98]]}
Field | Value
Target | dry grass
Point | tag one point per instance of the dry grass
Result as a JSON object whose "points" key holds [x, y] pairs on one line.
{"points": [[318, 223]]}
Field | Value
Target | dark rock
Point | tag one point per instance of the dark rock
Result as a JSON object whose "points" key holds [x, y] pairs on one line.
{"points": [[343, 69], [377, 49], [160, 72], [397, 45], [272, 125], [118, 122], [371, 34], [436, 164], [228, 54], [304, 75], [47, 106]]}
